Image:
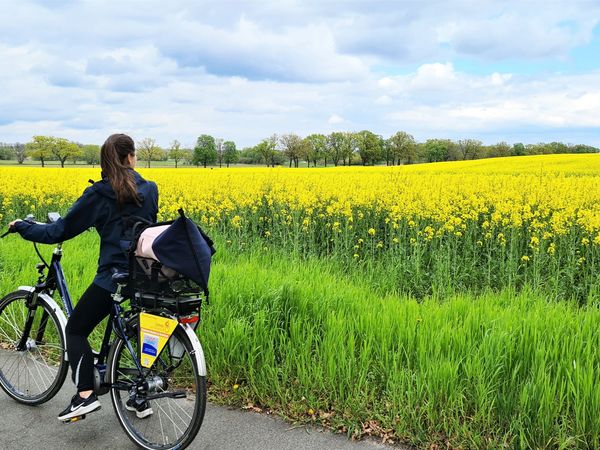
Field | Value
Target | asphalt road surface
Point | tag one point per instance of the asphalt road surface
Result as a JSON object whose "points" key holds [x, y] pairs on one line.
{"points": [[25, 427]]}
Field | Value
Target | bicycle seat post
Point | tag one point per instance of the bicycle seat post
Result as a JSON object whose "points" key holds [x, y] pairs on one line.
{"points": [[117, 296], [121, 280]]}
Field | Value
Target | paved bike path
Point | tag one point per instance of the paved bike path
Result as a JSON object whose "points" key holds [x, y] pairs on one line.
{"points": [[24, 427]]}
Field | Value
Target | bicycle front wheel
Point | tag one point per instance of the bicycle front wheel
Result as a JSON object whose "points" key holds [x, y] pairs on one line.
{"points": [[34, 372], [170, 396]]}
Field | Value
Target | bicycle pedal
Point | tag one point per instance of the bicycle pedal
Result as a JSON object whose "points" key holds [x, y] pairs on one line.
{"points": [[74, 419]]}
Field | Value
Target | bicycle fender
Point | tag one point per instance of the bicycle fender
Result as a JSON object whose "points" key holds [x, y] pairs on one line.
{"points": [[57, 310], [198, 352]]}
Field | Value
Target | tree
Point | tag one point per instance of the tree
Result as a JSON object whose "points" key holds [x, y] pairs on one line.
{"points": [[349, 146], [582, 148], [316, 148], [437, 150], [402, 148], [19, 152], [188, 156], [558, 147], [149, 151], [40, 148], [518, 149], [267, 149], [176, 153], [292, 147], [250, 155], [91, 154], [499, 150], [369, 147], [219, 148], [469, 148], [230, 153], [64, 149], [6, 151], [205, 151], [335, 143]]}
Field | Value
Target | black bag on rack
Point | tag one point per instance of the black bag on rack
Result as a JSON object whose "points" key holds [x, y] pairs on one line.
{"points": [[181, 246]]}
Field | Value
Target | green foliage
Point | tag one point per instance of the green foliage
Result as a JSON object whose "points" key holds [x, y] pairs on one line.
{"points": [[40, 148], [250, 155], [402, 148], [64, 149], [148, 151], [335, 143], [176, 153], [205, 152], [369, 147], [91, 154], [316, 148], [349, 145], [230, 153], [267, 148], [518, 149], [469, 148], [436, 150], [501, 149], [6, 151], [292, 147]]}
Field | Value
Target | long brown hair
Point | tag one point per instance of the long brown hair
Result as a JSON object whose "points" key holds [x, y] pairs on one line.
{"points": [[115, 165]]}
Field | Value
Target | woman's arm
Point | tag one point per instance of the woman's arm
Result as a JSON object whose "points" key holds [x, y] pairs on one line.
{"points": [[80, 217]]}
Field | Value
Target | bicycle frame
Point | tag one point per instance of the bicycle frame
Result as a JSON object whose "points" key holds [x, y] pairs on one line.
{"points": [[56, 281]]}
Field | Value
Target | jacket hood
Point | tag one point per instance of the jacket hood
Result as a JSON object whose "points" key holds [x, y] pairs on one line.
{"points": [[104, 188]]}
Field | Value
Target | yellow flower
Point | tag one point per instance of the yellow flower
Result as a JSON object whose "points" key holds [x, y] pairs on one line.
{"points": [[371, 231]]}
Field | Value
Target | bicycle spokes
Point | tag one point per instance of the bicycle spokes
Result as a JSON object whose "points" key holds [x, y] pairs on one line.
{"points": [[32, 362]]}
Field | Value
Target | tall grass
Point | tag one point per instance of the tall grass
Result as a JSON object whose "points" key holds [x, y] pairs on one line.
{"points": [[305, 338]]}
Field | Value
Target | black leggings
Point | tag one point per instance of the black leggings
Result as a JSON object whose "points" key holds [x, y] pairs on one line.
{"points": [[93, 306]]}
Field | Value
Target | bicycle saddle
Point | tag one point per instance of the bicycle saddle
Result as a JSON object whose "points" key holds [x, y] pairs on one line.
{"points": [[120, 277]]}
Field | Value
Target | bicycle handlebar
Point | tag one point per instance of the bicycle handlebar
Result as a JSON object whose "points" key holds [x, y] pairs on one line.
{"points": [[52, 217]]}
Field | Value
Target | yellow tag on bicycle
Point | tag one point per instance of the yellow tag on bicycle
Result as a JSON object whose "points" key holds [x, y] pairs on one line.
{"points": [[155, 331]]}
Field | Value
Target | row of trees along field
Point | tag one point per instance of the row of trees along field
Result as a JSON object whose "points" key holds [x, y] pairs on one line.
{"points": [[337, 148]]}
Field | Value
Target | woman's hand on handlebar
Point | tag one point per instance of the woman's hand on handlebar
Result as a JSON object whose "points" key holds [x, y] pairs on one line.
{"points": [[11, 228]]}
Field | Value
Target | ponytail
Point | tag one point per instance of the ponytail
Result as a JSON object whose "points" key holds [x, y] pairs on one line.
{"points": [[115, 167]]}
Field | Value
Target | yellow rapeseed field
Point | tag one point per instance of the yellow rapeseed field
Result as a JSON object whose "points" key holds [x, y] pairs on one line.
{"points": [[546, 194]]}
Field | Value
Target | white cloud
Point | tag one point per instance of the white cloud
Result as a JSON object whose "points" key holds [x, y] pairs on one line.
{"points": [[243, 70], [334, 119]]}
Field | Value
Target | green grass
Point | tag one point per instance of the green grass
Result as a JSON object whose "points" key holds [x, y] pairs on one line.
{"points": [[298, 334]]}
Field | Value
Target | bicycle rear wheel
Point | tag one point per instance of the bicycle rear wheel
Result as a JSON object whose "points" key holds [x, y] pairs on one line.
{"points": [[34, 373], [173, 388]]}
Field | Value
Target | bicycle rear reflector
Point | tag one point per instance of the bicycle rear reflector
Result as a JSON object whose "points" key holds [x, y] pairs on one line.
{"points": [[155, 331]]}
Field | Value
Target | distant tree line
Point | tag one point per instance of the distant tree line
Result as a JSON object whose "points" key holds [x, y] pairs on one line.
{"points": [[337, 148]]}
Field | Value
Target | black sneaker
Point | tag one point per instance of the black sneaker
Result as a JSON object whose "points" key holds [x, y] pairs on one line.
{"points": [[141, 407], [80, 406]]}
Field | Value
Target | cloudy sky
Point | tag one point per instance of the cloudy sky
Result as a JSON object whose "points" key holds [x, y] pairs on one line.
{"points": [[516, 71]]}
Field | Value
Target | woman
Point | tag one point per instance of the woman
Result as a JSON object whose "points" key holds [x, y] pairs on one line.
{"points": [[121, 192]]}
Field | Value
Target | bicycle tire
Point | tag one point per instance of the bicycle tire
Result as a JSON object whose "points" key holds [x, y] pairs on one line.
{"points": [[118, 358], [43, 362]]}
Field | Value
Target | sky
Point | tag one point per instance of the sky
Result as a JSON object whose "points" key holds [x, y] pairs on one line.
{"points": [[514, 71]]}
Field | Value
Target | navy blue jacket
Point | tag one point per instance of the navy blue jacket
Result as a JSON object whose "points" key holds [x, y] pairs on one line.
{"points": [[97, 208]]}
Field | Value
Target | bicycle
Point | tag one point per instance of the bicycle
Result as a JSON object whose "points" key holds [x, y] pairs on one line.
{"points": [[34, 364]]}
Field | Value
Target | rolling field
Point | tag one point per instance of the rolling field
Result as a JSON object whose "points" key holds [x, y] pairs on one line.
{"points": [[450, 304]]}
